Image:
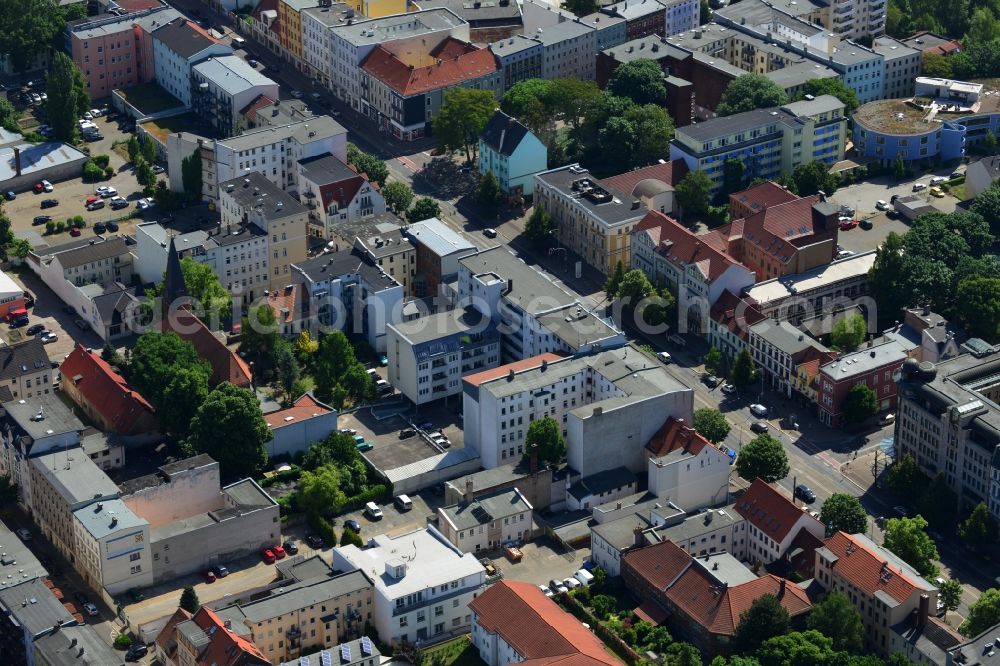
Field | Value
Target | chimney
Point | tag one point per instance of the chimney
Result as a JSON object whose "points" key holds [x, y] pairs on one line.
{"points": [[468, 491], [17, 161], [781, 590], [637, 536], [925, 606], [533, 464], [927, 309]]}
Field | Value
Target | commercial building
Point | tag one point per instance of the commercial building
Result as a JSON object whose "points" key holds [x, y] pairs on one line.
{"points": [[177, 47], [104, 395], [608, 405], [24, 164], [777, 348], [222, 86], [686, 469], [769, 142], [307, 421], [509, 151], [873, 366], [335, 193], [439, 251], [487, 523], [423, 584]]}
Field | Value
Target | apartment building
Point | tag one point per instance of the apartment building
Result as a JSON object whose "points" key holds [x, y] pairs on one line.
{"points": [[769, 142], [104, 395], [649, 17], [775, 524], [874, 366], [26, 623], [222, 87], [316, 24], [729, 323], [902, 67], [335, 193], [391, 250], [439, 251], [777, 348], [25, 370], [290, 30], [254, 201], [423, 584], [206, 638], [685, 468], [509, 151], [97, 263], [113, 51], [112, 548], [177, 46], [519, 58], [609, 404], [949, 422], [591, 219], [488, 522]]}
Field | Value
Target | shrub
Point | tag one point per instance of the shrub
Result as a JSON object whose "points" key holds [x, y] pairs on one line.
{"points": [[50, 226], [60, 227], [323, 529], [77, 222], [109, 172], [123, 641], [288, 475], [92, 172], [101, 160]]}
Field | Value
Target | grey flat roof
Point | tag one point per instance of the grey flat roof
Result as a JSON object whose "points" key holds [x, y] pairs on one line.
{"points": [[726, 125], [336, 14], [326, 168], [484, 510], [94, 27], [438, 327], [528, 283], [16, 560], [437, 237], [820, 277], [892, 48], [56, 417], [300, 568], [105, 518], [232, 74], [489, 478], [42, 612], [182, 37], [784, 336], [254, 190], [812, 107], [698, 523], [75, 476], [577, 327], [308, 130], [636, 9], [560, 32], [651, 47], [77, 646], [346, 262], [598, 484], [86, 250], [515, 44], [800, 72], [865, 360], [248, 495], [36, 158], [398, 26], [303, 595], [489, 11]]}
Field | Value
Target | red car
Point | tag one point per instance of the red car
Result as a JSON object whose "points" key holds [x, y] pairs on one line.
{"points": [[39, 188], [279, 552], [91, 199], [209, 577], [847, 225], [268, 556], [75, 231]]}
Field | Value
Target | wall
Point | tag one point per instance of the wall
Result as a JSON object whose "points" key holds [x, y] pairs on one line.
{"points": [[188, 493], [694, 482], [298, 435]]}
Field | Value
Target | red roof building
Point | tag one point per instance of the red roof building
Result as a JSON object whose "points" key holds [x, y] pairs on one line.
{"points": [[774, 522], [654, 185], [337, 193], [206, 640], [226, 364], [757, 198], [686, 467], [516, 367], [104, 395], [729, 323], [514, 622], [295, 428]]}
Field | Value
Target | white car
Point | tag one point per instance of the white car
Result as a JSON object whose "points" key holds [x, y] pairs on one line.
{"points": [[758, 410], [96, 113], [938, 179], [87, 126], [88, 116], [881, 205], [919, 186], [91, 609], [296, 94], [664, 357], [144, 204], [49, 338], [571, 583], [545, 590], [47, 186], [105, 191]]}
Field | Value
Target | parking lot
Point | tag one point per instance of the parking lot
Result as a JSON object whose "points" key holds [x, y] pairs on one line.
{"points": [[860, 240], [48, 311], [863, 196]]}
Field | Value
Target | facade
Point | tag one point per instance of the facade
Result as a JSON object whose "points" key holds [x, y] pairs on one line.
{"points": [[222, 87], [316, 24], [335, 193], [685, 469], [874, 366], [519, 58], [774, 523], [295, 428], [24, 372], [769, 142], [487, 523], [104, 395], [729, 323], [439, 251], [391, 250], [902, 67], [777, 348], [423, 584], [513, 154], [112, 548], [177, 46], [104, 262], [290, 30], [205, 638]]}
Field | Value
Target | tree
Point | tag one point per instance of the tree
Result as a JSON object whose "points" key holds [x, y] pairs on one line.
{"points": [[983, 614], [8, 116], [27, 28], [711, 424], [936, 65], [744, 372], [149, 149], [939, 503], [488, 193], [766, 618], [979, 530], [144, 174], [682, 654], [905, 480], [614, 281], [230, 427], [202, 284], [189, 600], [582, 7], [133, 148], [546, 439], [259, 340], [860, 404], [950, 593], [634, 287], [603, 605], [762, 458], [732, 175], [835, 87], [423, 209], [398, 196], [191, 176], [338, 373], [371, 166], [287, 369], [983, 27], [849, 332], [182, 397], [654, 130], [538, 227], [694, 193], [155, 361], [705, 13], [813, 177], [461, 119], [351, 538], [748, 92], [639, 80], [836, 616], [886, 281], [573, 98], [532, 102], [713, 360], [987, 205], [843, 513], [907, 539], [618, 142], [799, 648], [67, 98], [978, 305], [990, 143], [320, 491], [899, 169]]}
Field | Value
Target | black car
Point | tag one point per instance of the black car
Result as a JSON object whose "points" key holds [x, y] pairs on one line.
{"points": [[291, 548], [36, 329], [136, 652], [759, 427], [69, 309], [353, 525], [40, 219], [112, 226], [18, 323], [805, 493], [314, 541], [711, 381], [50, 203], [9, 195], [220, 571], [100, 228], [866, 224]]}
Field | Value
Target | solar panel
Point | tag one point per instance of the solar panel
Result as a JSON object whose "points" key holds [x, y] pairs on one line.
{"points": [[366, 646], [345, 654]]}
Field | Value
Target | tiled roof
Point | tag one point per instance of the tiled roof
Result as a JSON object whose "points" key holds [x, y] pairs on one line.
{"points": [[166, 639], [735, 314], [507, 608], [260, 102], [659, 564], [225, 647], [305, 408], [107, 392], [763, 196], [867, 570], [287, 303], [503, 133], [184, 37], [227, 366], [682, 248], [669, 173], [23, 358], [455, 67], [517, 366], [675, 435], [769, 511]]}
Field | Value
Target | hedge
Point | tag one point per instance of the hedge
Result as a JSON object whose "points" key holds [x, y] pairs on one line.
{"points": [[610, 638], [381, 491], [323, 529], [287, 475]]}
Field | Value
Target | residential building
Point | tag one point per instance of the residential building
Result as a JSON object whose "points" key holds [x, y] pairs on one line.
{"points": [[695, 270], [359, 652], [112, 312], [981, 175], [769, 142], [593, 220], [488, 22], [113, 51], [729, 323], [67, 268], [972, 650], [254, 201], [391, 250], [925, 335], [501, 615], [924, 639], [177, 46], [653, 185], [608, 404], [929, 42], [265, 26], [290, 31], [873, 366], [777, 347], [439, 250], [885, 589], [24, 623], [474, 524], [519, 58], [774, 523], [316, 24], [429, 356], [568, 41], [685, 468], [653, 17], [902, 67], [601, 488], [293, 429], [334, 192], [222, 87], [76, 646], [534, 481], [513, 154], [25, 370], [104, 395], [404, 92], [949, 423], [112, 549], [745, 203], [108, 452], [205, 638], [423, 584], [267, 112]]}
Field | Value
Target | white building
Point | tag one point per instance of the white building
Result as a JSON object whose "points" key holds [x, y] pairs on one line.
{"points": [[423, 584], [223, 86], [336, 194], [488, 522], [685, 468], [177, 46], [112, 547], [84, 261]]}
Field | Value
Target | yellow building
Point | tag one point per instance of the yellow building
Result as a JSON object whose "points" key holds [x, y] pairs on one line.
{"points": [[378, 8], [290, 29]]}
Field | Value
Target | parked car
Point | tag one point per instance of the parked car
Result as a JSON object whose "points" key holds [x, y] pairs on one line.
{"points": [[711, 381], [545, 590], [81, 324], [209, 576], [29, 299], [847, 223], [728, 389], [892, 214], [291, 548], [38, 188], [935, 180], [937, 192], [866, 224], [100, 228], [36, 329], [220, 571], [881, 205], [664, 357], [158, 169], [74, 231], [316, 96], [296, 94], [118, 202], [759, 427], [112, 226], [490, 233], [19, 322], [919, 186], [50, 203], [9, 195], [253, 63], [805, 493], [47, 186], [49, 337], [314, 541], [353, 525], [105, 191], [90, 137], [95, 205], [267, 555], [144, 204], [406, 433], [91, 609], [136, 652], [40, 219], [24, 534], [373, 511], [758, 410], [279, 552]]}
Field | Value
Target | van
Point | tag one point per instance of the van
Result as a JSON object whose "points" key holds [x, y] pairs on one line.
{"points": [[584, 576], [239, 42], [402, 503], [17, 313], [373, 511], [888, 419]]}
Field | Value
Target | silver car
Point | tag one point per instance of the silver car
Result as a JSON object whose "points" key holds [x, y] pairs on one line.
{"points": [[758, 410]]}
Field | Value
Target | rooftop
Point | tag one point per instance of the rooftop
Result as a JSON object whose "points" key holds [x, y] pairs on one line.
{"points": [[638, 181], [778, 289], [972, 651], [436, 328], [36, 157], [873, 569], [109, 517], [105, 390], [904, 117], [43, 415], [515, 44], [767, 509], [232, 74], [606, 204], [455, 65], [491, 12], [317, 128], [254, 191], [75, 476], [784, 336], [77, 646], [892, 49], [533, 290], [184, 37], [94, 27], [865, 360], [398, 27], [346, 262], [503, 133], [28, 357], [439, 238], [33, 606], [85, 251], [17, 563], [305, 408], [484, 510], [302, 595]]}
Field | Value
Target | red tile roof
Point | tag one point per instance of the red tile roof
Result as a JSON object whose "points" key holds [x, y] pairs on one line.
{"points": [[290, 300], [676, 435], [260, 102], [509, 607], [459, 64], [735, 314], [770, 511], [166, 639], [304, 408], [227, 366], [683, 248], [868, 570], [669, 173], [107, 392], [659, 564], [517, 366], [225, 647], [762, 196]]}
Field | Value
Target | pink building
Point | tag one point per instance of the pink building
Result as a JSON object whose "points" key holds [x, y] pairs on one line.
{"points": [[873, 366], [115, 52]]}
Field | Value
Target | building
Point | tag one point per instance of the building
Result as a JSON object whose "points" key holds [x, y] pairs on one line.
{"points": [[391, 250], [177, 47], [963, 114], [609, 405], [423, 584], [104, 395], [513, 154], [474, 524], [290, 31], [67, 268], [24, 164], [254, 201], [593, 220], [265, 26], [686, 469], [222, 87], [925, 335], [488, 22], [113, 51], [403, 92], [335, 193], [874, 366], [885, 589], [75, 646], [972, 650], [25, 623], [777, 348], [267, 112], [359, 652], [25, 370], [429, 356], [774, 523], [439, 251], [929, 42], [205, 638], [981, 175], [767, 141], [533, 481], [112, 549], [729, 323], [501, 614], [902, 67], [924, 639], [295, 428], [949, 423], [519, 58], [653, 185], [316, 24], [227, 366]]}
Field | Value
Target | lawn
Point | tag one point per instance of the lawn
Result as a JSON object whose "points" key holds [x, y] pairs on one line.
{"points": [[458, 652], [150, 98]]}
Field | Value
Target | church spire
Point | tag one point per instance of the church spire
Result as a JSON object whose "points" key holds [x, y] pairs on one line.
{"points": [[173, 280]]}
